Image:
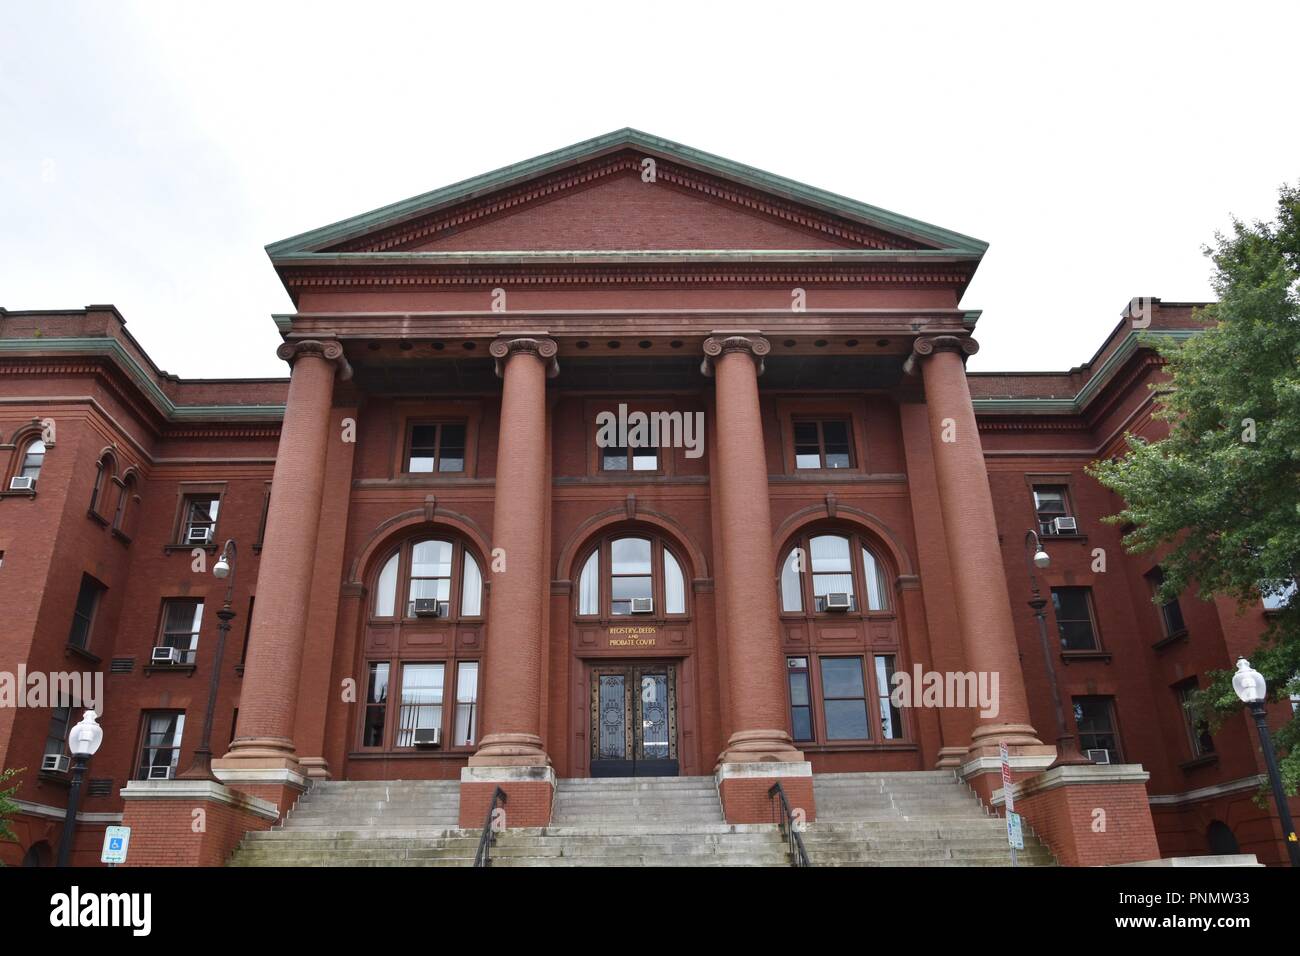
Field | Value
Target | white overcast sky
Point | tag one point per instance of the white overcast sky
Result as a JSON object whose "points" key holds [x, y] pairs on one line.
{"points": [[149, 151]]}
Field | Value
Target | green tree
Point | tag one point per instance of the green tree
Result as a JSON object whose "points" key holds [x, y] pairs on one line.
{"points": [[1222, 491], [7, 806]]}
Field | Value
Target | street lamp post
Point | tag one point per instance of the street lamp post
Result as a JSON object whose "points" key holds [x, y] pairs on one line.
{"points": [[201, 767], [1251, 688], [1067, 749], [83, 742]]}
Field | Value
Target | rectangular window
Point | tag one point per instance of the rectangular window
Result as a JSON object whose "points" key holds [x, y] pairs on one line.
{"points": [[622, 458], [1074, 620], [1171, 612], [199, 519], [1094, 717], [421, 701], [466, 703], [629, 573], [372, 733], [1198, 730], [57, 736], [844, 698], [430, 579], [182, 620], [891, 718], [822, 444], [800, 698], [83, 615], [1051, 502], [160, 745], [436, 447]]}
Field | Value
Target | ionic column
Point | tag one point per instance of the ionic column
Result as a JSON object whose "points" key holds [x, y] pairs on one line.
{"points": [[747, 594], [979, 581], [512, 704], [268, 698]]}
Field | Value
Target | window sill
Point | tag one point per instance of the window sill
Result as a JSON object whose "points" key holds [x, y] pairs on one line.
{"points": [[75, 651], [186, 669], [239, 669], [7, 493], [96, 517], [839, 746], [1063, 537], [122, 536], [187, 548], [58, 779], [1171, 639], [1197, 763], [412, 754], [1076, 656]]}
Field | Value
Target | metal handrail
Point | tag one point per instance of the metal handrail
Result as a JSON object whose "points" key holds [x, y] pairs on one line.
{"points": [[482, 858], [785, 820]]}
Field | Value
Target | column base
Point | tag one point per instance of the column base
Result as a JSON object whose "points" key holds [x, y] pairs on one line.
{"points": [[316, 768], [1019, 738], [1094, 815], [950, 758], [744, 789], [529, 789], [510, 750], [281, 786], [746, 746], [166, 830], [261, 752]]}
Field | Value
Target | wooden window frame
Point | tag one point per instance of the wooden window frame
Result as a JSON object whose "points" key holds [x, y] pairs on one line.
{"points": [[820, 421], [1112, 712], [187, 492], [402, 597], [857, 543], [439, 423], [142, 743], [658, 588], [451, 665], [1098, 647], [100, 591]]}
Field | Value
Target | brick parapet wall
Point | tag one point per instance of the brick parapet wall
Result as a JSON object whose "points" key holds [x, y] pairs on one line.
{"points": [[167, 831]]}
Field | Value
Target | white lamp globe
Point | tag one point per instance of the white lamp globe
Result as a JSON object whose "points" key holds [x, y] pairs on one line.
{"points": [[1248, 682], [222, 568], [86, 736], [1042, 560]]}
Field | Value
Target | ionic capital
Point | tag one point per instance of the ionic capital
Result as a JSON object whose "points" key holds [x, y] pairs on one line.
{"points": [[544, 348], [715, 346], [331, 350], [926, 345]]}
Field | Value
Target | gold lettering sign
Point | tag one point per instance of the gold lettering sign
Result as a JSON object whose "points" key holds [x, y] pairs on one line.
{"points": [[632, 636]]}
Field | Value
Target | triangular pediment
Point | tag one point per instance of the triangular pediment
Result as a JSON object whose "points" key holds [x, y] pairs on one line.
{"points": [[626, 191]]}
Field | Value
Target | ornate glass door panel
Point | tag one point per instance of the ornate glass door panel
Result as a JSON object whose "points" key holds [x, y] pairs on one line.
{"points": [[634, 721]]}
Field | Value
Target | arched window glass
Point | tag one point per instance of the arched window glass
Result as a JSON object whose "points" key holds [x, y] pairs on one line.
{"points": [[33, 458], [589, 585], [430, 576], [792, 582], [874, 580], [103, 471], [471, 588], [831, 570], [630, 573], [124, 502], [386, 588], [674, 586]]}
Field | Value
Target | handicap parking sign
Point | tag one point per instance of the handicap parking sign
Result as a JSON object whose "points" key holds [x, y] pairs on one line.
{"points": [[116, 840]]}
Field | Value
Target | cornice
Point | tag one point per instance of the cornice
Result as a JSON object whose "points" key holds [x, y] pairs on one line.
{"points": [[113, 349]]}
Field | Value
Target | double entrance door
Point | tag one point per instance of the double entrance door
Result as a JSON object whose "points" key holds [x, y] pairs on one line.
{"points": [[634, 720]]}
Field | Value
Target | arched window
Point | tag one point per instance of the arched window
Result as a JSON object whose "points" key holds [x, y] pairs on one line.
{"points": [[33, 457], [124, 503], [104, 470], [640, 576], [437, 579], [832, 573]]}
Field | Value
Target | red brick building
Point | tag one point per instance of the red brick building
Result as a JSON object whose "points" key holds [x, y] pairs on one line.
{"points": [[444, 570]]}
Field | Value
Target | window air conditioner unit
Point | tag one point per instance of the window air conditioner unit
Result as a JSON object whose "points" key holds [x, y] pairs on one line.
{"points": [[837, 601], [1098, 756], [643, 605], [198, 535], [166, 655], [428, 736], [428, 607], [58, 763], [21, 483], [1063, 525], [161, 772]]}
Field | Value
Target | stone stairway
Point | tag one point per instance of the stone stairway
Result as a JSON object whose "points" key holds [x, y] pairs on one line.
{"points": [[916, 818], [864, 819]]}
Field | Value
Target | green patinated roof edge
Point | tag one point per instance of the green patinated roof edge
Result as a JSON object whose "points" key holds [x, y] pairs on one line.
{"points": [[1132, 342], [113, 348], [384, 216]]}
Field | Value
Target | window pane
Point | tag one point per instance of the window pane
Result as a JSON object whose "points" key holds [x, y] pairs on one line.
{"points": [[805, 433], [791, 588], [842, 677], [846, 720], [830, 553], [1049, 500], [451, 452], [1094, 718], [891, 718], [874, 580], [1074, 619], [627, 588], [431, 559], [471, 588], [836, 438], [372, 734], [630, 556], [424, 445], [589, 586], [386, 589], [421, 701], [613, 459], [33, 460], [674, 586], [645, 459], [466, 703]]}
